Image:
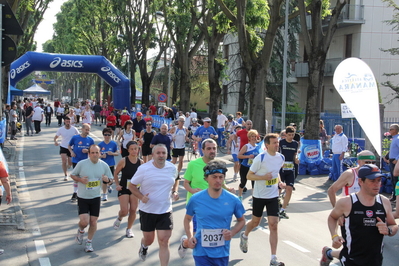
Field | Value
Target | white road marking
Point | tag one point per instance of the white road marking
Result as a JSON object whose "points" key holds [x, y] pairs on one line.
{"points": [[40, 247], [292, 244], [44, 262]]}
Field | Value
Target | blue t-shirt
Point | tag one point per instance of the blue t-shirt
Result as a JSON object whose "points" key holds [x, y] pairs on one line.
{"points": [[213, 214], [111, 146], [163, 139], [78, 143], [205, 133]]}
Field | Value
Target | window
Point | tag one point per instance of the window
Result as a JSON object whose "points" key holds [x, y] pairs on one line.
{"points": [[348, 46]]}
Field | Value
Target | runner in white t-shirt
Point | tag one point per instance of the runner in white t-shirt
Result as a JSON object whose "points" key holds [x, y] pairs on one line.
{"points": [[158, 186], [265, 171], [66, 132]]}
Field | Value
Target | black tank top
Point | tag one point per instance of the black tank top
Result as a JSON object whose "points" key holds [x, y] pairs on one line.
{"points": [[363, 243], [128, 171], [147, 138]]}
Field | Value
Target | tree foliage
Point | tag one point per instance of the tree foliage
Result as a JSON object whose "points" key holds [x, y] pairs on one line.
{"points": [[394, 22]]}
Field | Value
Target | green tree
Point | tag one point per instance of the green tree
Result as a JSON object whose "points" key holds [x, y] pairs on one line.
{"points": [[256, 46], [394, 22], [186, 39]]}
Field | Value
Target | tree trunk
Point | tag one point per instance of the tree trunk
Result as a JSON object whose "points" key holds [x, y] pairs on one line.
{"points": [[214, 70], [258, 96], [313, 100], [241, 93], [185, 84]]}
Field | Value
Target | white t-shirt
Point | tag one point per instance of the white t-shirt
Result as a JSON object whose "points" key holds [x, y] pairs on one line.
{"points": [[193, 115], [66, 135], [37, 116], [267, 189], [60, 111], [179, 138], [157, 183], [222, 119], [77, 111]]}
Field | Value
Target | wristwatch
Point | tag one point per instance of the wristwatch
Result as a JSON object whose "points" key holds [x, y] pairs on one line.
{"points": [[389, 231]]}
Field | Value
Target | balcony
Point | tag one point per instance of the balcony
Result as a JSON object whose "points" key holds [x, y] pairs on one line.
{"points": [[350, 15], [302, 69]]}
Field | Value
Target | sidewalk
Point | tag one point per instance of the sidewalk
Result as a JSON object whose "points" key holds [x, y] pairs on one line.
{"points": [[12, 226]]}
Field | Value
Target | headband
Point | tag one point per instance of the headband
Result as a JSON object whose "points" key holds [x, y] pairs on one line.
{"points": [[366, 157], [213, 171]]}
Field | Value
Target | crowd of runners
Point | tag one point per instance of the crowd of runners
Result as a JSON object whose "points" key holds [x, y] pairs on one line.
{"points": [[148, 175]]}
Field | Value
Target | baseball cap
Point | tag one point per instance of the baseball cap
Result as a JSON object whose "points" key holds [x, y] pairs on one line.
{"points": [[293, 124], [124, 112], [207, 119], [369, 171], [194, 120], [139, 114]]}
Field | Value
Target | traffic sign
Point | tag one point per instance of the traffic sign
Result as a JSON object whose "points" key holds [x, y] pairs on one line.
{"points": [[162, 97], [161, 104]]}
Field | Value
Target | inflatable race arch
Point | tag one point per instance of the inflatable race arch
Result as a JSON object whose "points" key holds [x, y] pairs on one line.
{"points": [[33, 61]]}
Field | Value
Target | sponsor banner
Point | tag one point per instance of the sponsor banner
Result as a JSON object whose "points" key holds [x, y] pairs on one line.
{"points": [[311, 151], [33, 61], [2, 130], [346, 111], [355, 82]]}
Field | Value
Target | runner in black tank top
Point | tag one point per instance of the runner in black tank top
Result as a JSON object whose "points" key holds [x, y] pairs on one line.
{"points": [[127, 201], [363, 242], [127, 173], [146, 138]]}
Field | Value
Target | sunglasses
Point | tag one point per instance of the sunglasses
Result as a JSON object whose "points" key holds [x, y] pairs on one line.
{"points": [[107, 135], [369, 162], [207, 121], [148, 124]]}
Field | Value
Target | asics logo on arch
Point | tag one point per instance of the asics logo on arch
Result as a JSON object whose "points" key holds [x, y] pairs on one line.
{"points": [[66, 63], [111, 74], [22, 67]]}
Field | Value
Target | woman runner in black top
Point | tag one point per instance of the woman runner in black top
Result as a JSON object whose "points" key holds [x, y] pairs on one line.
{"points": [[146, 136], [128, 203]]}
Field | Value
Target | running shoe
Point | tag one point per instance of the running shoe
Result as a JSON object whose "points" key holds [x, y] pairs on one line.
{"points": [[104, 197], [143, 252], [117, 223], [110, 189], [65, 178], [283, 215], [74, 197], [1, 251], [182, 250], [243, 243], [79, 237], [275, 262], [129, 233], [88, 247], [325, 260], [235, 178], [244, 189]]}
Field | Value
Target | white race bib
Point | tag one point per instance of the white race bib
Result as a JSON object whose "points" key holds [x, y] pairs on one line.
{"points": [[212, 238]]}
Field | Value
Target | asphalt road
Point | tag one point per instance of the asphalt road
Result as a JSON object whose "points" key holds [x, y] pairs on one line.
{"points": [[51, 220]]}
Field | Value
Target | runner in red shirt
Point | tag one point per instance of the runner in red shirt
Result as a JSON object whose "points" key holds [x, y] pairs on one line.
{"points": [[124, 117], [111, 122]]}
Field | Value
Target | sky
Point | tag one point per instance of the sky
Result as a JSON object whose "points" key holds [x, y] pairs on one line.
{"points": [[45, 30]]}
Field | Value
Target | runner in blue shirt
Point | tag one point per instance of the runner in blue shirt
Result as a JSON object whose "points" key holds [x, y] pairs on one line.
{"points": [[108, 149], [213, 209], [79, 148], [205, 132]]}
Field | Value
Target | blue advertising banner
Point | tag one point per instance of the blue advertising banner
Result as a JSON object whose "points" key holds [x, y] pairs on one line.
{"points": [[2, 130], [311, 151]]}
